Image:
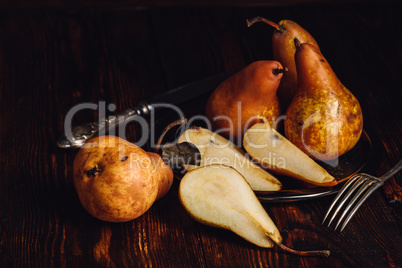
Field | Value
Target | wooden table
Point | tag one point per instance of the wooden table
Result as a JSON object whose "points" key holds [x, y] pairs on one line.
{"points": [[52, 59]]}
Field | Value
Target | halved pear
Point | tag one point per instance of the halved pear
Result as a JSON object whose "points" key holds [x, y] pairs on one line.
{"points": [[215, 149], [219, 196], [275, 152]]}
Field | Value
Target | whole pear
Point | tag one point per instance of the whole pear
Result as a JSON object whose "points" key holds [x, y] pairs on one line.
{"points": [[283, 50], [237, 101], [117, 181], [325, 119]]}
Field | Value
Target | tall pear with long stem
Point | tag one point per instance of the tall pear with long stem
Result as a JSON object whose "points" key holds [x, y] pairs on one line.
{"points": [[325, 119], [283, 49]]}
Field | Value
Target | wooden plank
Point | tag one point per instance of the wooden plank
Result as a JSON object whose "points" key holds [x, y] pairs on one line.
{"points": [[51, 62], [235, 45], [164, 3], [53, 59]]}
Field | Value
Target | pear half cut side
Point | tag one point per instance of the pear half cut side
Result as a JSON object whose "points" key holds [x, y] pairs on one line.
{"points": [[217, 150], [275, 152], [219, 196]]}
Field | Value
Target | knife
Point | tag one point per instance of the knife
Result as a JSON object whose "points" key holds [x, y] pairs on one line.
{"points": [[74, 138]]}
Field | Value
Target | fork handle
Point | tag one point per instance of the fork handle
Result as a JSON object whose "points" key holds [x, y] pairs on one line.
{"points": [[392, 171]]}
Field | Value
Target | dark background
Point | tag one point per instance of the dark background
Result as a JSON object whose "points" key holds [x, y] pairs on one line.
{"points": [[56, 54]]}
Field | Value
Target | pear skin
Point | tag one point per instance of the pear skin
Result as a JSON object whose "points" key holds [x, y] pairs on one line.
{"points": [[283, 51], [325, 119], [215, 149], [117, 181], [275, 152], [235, 103]]}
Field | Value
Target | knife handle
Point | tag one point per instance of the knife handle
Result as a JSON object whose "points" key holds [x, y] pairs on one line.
{"points": [[78, 135], [143, 109]]}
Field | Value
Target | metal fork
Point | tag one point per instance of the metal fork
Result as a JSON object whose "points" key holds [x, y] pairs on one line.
{"points": [[367, 183]]}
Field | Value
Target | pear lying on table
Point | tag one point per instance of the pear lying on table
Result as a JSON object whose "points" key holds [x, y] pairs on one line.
{"points": [[267, 146], [117, 181], [219, 196], [215, 149]]}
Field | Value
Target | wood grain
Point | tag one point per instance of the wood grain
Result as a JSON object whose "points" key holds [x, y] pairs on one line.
{"points": [[53, 59], [139, 4]]}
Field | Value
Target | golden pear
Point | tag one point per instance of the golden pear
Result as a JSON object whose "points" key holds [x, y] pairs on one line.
{"points": [[325, 119], [117, 181]]}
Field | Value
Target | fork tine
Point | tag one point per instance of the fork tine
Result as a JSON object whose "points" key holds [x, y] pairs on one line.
{"points": [[356, 185], [358, 182], [365, 196], [363, 188], [348, 183]]}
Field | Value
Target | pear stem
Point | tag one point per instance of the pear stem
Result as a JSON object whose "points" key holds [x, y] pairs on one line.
{"points": [[318, 253], [261, 19], [171, 125], [297, 43], [279, 71]]}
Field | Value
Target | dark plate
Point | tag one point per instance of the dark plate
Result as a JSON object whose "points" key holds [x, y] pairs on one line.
{"points": [[342, 169], [292, 190]]}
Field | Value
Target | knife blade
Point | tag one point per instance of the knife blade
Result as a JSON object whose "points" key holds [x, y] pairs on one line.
{"points": [[76, 136]]}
